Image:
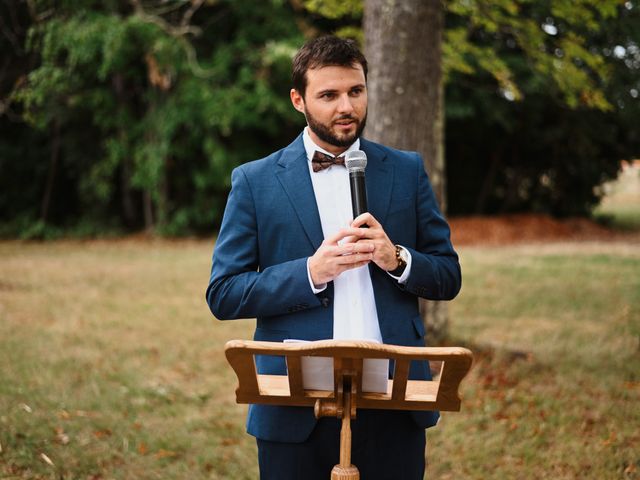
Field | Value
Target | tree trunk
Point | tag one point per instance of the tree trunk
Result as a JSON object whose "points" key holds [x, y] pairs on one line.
{"points": [[126, 194], [404, 49], [53, 171], [147, 210]]}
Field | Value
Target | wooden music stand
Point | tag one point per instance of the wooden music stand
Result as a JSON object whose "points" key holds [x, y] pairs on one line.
{"points": [[441, 393]]}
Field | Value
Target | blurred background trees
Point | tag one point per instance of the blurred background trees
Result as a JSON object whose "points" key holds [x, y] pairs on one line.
{"points": [[540, 118], [130, 115], [124, 115]]}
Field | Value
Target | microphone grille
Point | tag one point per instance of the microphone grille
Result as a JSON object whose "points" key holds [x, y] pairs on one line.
{"points": [[355, 161]]}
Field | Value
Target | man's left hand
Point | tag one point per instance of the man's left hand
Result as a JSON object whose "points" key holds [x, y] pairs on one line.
{"points": [[384, 251]]}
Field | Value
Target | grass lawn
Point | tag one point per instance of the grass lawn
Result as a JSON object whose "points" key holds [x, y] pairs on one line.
{"points": [[111, 366], [620, 206]]}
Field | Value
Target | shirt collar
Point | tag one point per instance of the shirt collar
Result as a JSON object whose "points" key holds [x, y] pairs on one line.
{"points": [[310, 146]]}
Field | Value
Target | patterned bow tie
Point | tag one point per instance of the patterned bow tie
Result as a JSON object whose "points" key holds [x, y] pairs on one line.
{"points": [[320, 161]]}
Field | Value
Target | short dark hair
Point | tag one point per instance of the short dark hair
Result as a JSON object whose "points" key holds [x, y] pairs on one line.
{"points": [[325, 51]]}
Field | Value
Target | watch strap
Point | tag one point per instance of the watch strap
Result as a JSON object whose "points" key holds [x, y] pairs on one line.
{"points": [[399, 270]]}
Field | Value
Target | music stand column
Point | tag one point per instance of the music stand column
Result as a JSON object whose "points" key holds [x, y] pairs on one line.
{"points": [[344, 408]]}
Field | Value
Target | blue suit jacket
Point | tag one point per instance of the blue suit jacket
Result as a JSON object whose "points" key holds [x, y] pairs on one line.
{"points": [[271, 226]]}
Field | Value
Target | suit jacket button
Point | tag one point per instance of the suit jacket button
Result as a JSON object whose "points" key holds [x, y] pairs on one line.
{"points": [[325, 302]]}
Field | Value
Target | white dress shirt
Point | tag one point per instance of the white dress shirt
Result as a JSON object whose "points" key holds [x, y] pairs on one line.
{"points": [[354, 306]]}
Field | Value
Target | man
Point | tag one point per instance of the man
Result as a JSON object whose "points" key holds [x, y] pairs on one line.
{"points": [[290, 254]]}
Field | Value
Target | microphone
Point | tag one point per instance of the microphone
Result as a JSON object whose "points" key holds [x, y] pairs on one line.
{"points": [[356, 162]]}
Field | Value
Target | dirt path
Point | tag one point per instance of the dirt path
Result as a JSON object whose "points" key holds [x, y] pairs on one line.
{"points": [[621, 197], [531, 228]]}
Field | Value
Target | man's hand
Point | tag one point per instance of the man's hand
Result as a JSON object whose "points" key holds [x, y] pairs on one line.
{"points": [[384, 251], [343, 251]]}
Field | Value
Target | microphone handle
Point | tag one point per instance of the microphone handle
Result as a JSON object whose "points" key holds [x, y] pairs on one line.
{"points": [[358, 193]]}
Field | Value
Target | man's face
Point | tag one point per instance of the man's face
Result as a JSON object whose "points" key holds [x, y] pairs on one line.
{"points": [[335, 106]]}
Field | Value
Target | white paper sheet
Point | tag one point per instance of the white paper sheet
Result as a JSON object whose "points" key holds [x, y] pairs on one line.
{"points": [[317, 372]]}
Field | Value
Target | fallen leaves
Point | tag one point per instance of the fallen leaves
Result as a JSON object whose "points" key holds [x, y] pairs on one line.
{"points": [[104, 433], [162, 453], [142, 448], [630, 469], [61, 437], [610, 440], [227, 442], [66, 415], [46, 459]]}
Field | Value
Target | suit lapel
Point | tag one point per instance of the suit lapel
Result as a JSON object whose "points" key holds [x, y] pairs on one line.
{"points": [[293, 174], [379, 178]]}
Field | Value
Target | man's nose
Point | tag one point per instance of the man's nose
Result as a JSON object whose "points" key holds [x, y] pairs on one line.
{"points": [[344, 104]]}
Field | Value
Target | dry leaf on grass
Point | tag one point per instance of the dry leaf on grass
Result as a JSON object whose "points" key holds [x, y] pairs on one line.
{"points": [[46, 459], [162, 453], [102, 433], [61, 437]]}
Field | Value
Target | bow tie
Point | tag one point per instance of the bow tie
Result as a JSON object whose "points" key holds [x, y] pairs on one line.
{"points": [[320, 161]]}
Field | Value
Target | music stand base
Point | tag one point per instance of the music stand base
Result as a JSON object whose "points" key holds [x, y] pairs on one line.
{"points": [[340, 472]]}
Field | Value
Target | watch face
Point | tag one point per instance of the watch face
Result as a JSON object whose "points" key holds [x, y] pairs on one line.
{"points": [[403, 255]]}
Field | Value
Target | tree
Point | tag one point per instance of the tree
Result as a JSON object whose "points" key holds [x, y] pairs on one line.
{"points": [[403, 46], [512, 44], [520, 76]]}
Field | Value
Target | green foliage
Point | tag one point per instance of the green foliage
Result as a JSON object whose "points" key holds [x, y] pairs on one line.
{"points": [[550, 150], [533, 110], [335, 9], [132, 114], [460, 55], [552, 36], [171, 104]]}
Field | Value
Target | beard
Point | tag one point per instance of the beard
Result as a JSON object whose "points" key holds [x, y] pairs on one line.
{"points": [[324, 132]]}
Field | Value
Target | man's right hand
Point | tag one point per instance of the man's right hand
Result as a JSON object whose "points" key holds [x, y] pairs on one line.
{"points": [[339, 253]]}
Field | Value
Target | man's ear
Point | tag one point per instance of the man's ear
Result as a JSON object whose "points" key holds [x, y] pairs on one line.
{"points": [[297, 100]]}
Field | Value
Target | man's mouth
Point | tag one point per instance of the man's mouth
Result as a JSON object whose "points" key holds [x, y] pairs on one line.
{"points": [[345, 122]]}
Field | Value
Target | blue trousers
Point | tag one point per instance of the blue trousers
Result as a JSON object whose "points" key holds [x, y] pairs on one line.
{"points": [[386, 445]]}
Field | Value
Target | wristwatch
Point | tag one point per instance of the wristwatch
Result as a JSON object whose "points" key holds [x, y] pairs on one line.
{"points": [[401, 257]]}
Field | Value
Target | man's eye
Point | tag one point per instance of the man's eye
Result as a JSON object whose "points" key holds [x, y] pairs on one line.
{"points": [[327, 96], [356, 91]]}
